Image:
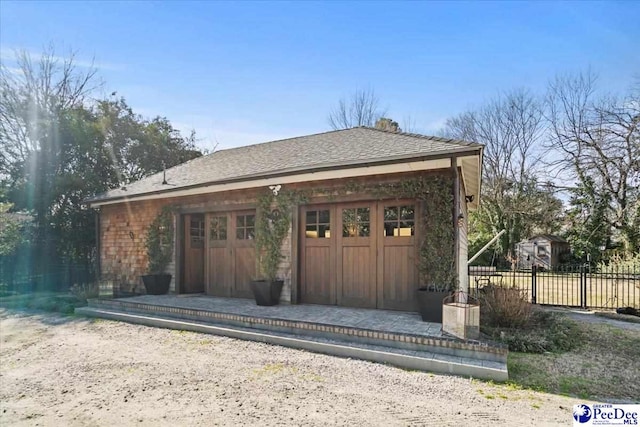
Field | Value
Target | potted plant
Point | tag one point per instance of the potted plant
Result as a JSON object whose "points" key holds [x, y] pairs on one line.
{"points": [[430, 300], [159, 244], [272, 226], [436, 258]]}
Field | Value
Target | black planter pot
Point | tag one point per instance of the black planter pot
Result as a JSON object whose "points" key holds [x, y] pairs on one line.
{"points": [[430, 304], [156, 284], [266, 292]]}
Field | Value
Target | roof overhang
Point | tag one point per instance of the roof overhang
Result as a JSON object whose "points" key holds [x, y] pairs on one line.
{"points": [[470, 162]]}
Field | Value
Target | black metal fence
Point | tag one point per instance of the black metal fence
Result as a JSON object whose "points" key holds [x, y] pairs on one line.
{"points": [[571, 286]]}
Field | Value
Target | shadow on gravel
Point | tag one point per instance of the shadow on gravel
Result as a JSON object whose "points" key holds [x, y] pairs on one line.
{"points": [[45, 317]]}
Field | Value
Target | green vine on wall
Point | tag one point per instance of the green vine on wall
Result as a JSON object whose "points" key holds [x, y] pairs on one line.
{"points": [[436, 258], [159, 241], [436, 251], [273, 220]]}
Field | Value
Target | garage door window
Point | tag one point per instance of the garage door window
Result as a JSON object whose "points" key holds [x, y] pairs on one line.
{"points": [[218, 227], [318, 224], [399, 221], [196, 231], [356, 222], [245, 227]]}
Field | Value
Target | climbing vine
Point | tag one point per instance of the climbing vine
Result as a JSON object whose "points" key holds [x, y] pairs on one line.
{"points": [[436, 258], [273, 219], [159, 241]]}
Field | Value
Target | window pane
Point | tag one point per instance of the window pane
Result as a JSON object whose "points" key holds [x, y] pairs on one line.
{"points": [[250, 220], [349, 228], [311, 231], [363, 214], [250, 233], [323, 231], [407, 228], [240, 233], [348, 215], [312, 217], [324, 217], [390, 213], [389, 227], [240, 221], [218, 227], [363, 230], [407, 212]]}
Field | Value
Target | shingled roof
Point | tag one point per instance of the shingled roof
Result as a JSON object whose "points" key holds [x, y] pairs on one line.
{"points": [[353, 147]]}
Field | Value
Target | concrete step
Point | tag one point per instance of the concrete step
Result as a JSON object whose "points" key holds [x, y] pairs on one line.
{"points": [[439, 344], [404, 358]]}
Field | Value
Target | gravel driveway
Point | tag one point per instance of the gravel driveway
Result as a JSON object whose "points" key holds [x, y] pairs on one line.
{"points": [[68, 371]]}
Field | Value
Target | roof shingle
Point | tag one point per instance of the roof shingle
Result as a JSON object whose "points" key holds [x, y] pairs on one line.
{"points": [[348, 147]]}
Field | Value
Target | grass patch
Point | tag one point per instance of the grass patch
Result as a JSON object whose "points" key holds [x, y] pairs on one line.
{"points": [[603, 367], [543, 332]]}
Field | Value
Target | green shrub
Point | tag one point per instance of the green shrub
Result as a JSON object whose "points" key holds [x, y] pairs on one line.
{"points": [[504, 307]]}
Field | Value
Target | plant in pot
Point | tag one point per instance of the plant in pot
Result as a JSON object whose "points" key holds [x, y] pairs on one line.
{"points": [[159, 244], [272, 226], [436, 258]]}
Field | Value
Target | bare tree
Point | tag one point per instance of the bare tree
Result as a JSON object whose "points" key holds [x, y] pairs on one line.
{"points": [[596, 141], [409, 124], [361, 109], [511, 127], [31, 92]]}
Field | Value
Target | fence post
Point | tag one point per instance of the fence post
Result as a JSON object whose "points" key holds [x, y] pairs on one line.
{"points": [[583, 286], [533, 284]]}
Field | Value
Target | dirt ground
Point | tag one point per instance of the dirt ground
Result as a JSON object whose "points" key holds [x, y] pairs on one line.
{"points": [[58, 370]]}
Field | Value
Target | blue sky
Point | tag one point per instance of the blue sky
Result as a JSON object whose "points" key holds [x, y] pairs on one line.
{"points": [[241, 73]]}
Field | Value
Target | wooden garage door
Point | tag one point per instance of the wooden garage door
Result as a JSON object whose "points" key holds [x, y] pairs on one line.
{"points": [[356, 255], [317, 261], [231, 261], [397, 269], [359, 255], [193, 278]]}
